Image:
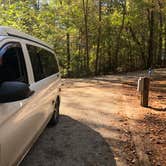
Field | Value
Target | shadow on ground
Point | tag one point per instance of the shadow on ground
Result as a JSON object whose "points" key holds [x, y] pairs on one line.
{"points": [[70, 143]]}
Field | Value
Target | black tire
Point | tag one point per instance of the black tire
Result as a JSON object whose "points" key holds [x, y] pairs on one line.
{"points": [[55, 116]]}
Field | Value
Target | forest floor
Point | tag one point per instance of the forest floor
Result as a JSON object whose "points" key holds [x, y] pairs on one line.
{"points": [[103, 123]]}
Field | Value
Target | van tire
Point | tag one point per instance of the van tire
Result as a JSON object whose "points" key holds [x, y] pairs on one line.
{"points": [[55, 116]]}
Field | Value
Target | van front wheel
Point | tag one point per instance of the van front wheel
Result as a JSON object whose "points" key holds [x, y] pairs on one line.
{"points": [[55, 116]]}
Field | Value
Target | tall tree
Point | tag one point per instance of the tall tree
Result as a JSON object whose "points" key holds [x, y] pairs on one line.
{"points": [[151, 34], [117, 47], [85, 11], [98, 39], [160, 31]]}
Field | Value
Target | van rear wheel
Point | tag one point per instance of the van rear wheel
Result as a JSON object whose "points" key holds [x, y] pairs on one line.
{"points": [[55, 117]]}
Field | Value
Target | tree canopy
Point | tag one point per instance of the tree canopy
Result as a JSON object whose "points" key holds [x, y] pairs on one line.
{"points": [[93, 37]]}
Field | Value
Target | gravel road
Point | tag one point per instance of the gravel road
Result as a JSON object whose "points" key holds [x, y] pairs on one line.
{"points": [[90, 131], [70, 143], [95, 126]]}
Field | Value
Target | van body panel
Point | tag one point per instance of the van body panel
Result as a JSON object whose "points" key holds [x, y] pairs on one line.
{"points": [[22, 121], [21, 125]]}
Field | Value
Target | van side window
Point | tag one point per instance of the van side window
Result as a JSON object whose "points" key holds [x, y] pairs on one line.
{"points": [[12, 63], [44, 63], [49, 63], [36, 63]]}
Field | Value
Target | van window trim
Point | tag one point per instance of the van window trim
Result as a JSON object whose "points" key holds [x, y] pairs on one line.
{"points": [[31, 40]]}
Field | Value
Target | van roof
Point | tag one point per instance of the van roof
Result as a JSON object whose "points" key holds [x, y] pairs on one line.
{"points": [[8, 31]]}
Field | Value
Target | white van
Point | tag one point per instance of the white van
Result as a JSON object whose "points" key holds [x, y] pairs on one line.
{"points": [[29, 93]]}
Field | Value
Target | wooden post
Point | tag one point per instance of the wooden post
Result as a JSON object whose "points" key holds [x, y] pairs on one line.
{"points": [[145, 92]]}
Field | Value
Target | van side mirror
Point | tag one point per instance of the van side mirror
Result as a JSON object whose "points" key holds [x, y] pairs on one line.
{"points": [[14, 91]]}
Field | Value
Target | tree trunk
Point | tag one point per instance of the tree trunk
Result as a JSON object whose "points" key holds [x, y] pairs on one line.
{"points": [[85, 10], [151, 39], [98, 41], [164, 38], [109, 58], [164, 63], [117, 48], [38, 4], [100, 63], [139, 44], [68, 54], [160, 33]]}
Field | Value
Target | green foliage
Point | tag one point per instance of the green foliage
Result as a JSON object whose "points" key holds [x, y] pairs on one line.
{"points": [[125, 31]]}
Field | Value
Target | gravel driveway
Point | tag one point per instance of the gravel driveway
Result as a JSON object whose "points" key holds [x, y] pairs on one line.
{"points": [[90, 128], [99, 116], [70, 143]]}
